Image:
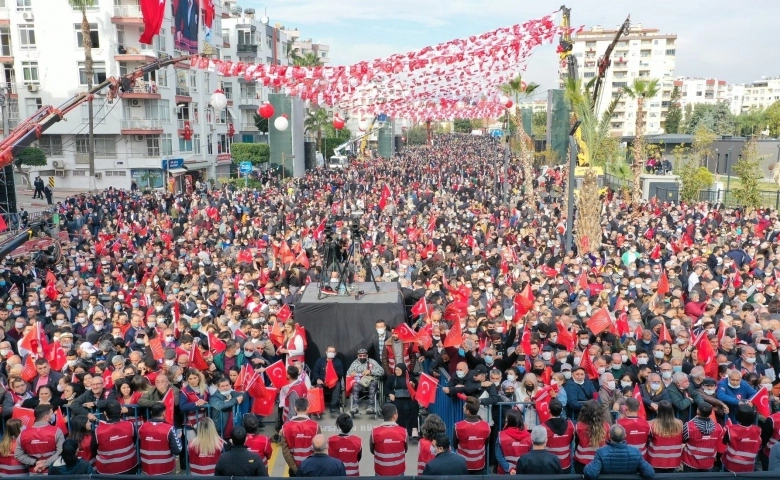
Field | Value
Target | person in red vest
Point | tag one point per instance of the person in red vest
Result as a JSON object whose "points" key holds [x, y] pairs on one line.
{"points": [[159, 444], [701, 436], [297, 434], [431, 427], [471, 437], [560, 433], [346, 447], [255, 442], [665, 446], [637, 429], [113, 443], [40, 446], [388, 444], [205, 449], [770, 436], [591, 432], [743, 440], [290, 393], [9, 465], [513, 442]]}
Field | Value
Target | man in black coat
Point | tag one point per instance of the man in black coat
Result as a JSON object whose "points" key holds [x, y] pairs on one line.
{"points": [[446, 461], [45, 376], [239, 461], [319, 463], [538, 461], [319, 374]]}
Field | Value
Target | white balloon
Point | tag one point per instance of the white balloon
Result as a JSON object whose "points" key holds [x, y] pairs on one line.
{"points": [[363, 124], [281, 123], [218, 101]]}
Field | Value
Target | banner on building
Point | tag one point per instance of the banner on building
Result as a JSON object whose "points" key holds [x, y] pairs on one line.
{"points": [[186, 22]]}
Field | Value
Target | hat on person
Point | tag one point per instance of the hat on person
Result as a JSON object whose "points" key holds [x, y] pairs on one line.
{"points": [[362, 351], [66, 335], [547, 348], [480, 370], [87, 347], [709, 382], [565, 366]]}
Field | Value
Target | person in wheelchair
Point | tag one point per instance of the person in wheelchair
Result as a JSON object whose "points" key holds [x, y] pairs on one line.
{"points": [[367, 373]]}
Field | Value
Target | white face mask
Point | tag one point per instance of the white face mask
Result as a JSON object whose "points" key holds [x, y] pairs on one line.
{"points": [[624, 358], [761, 347], [584, 342], [546, 356], [169, 339], [681, 341], [666, 375], [151, 324], [331, 355], [750, 360], [655, 386], [566, 374], [658, 354], [602, 370], [611, 385], [579, 382], [631, 348], [511, 378], [711, 331], [641, 361], [768, 386], [380, 331], [4, 352], [225, 392], [577, 360], [734, 385], [625, 384], [169, 363], [460, 374], [709, 391]]}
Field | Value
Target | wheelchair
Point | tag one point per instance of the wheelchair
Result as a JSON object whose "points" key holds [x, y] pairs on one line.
{"points": [[374, 403]]}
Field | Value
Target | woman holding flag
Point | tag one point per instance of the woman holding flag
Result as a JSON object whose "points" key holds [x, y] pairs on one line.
{"points": [[399, 389], [194, 401]]}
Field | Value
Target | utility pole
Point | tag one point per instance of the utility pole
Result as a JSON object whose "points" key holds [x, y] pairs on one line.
{"points": [[570, 207]]}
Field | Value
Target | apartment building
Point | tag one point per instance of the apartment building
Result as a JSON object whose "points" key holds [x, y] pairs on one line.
{"points": [[303, 46], [43, 64], [761, 93], [645, 53]]}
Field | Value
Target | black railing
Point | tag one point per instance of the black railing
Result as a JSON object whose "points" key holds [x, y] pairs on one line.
{"points": [[768, 198]]}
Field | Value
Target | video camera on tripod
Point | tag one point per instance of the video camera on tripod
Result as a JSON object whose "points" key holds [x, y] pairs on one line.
{"points": [[338, 253]]}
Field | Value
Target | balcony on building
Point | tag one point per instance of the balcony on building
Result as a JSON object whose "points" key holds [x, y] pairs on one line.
{"points": [[183, 94], [226, 38], [136, 53], [127, 13], [141, 126], [248, 101], [143, 89], [246, 50]]}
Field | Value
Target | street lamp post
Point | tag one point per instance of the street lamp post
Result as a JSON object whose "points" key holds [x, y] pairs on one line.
{"points": [[728, 171]]}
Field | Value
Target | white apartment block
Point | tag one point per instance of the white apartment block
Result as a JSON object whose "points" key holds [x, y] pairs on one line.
{"points": [[761, 94], [535, 106], [302, 46], [709, 91], [644, 53], [735, 96]]}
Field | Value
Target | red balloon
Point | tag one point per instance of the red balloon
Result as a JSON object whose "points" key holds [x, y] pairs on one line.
{"points": [[266, 110], [338, 123], [508, 104]]}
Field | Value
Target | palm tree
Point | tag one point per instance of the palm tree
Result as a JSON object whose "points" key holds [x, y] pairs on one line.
{"points": [[316, 121], [640, 90], [308, 59], [87, 43], [518, 90]]}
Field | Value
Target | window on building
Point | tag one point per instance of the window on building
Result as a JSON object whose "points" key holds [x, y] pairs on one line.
{"points": [[209, 147], [26, 36], [227, 88], [152, 145], [98, 73], [23, 5], [671, 52], [166, 145], [30, 72], [51, 145], [589, 74], [158, 110], [268, 41], [116, 173], [619, 84], [223, 144], [196, 143], [32, 105], [185, 146], [159, 42], [93, 35], [105, 145]]}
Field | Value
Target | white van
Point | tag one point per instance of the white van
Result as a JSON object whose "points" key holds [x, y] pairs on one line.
{"points": [[338, 161]]}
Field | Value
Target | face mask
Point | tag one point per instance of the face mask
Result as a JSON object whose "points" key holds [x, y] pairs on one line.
{"points": [[472, 330], [582, 314], [362, 360], [169, 363], [546, 356], [602, 370], [681, 341], [616, 366], [169, 339], [151, 324], [195, 326], [434, 451], [579, 382], [655, 386], [380, 331], [658, 354], [331, 355], [461, 352], [734, 385], [611, 385], [460, 374], [436, 338], [87, 356], [577, 360], [761, 347], [708, 391], [711, 331], [646, 342], [750, 360], [631, 348], [59, 323], [768, 386], [20, 325], [624, 358], [641, 361], [121, 298], [726, 311], [135, 304], [666, 375], [511, 378], [4, 352], [488, 359], [97, 327], [584, 342], [71, 363], [566, 374], [225, 392], [625, 384], [677, 368]]}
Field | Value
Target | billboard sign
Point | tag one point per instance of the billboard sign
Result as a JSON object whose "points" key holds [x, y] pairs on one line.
{"points": [[186, 19]]}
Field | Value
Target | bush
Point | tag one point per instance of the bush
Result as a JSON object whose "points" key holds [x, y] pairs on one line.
{"points": [[256, 153]]}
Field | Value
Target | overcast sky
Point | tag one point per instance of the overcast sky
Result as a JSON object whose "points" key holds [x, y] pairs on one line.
{"points": [[727, 40]]}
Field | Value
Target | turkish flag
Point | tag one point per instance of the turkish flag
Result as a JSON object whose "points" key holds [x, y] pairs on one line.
{"points": [[29, 372], [704, 348], [638, 396], [663, 284], [158, 352], [386, 194], [302, 259], [264, 406], [455, 336], [426, 390], [524, 301], [331, 378], [420, 308], [277, 374], [26, 415], [525, 341], [35, 340], [452, 313], [587, 364], [350, 384], [656, 252], [51, 289], [196, 359], [216, 345], [3, 228], [276, 335], [406, 334], [542, 400], [57, 357], [169, 404], [565, 337], [284, 313], [241, 380], [599, 321], [761, 401], [622, 324], [664, 334], [582, 281]]}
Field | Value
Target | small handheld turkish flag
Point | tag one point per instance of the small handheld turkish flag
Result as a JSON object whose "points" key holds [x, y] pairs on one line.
{"points": [[426, 390], [277, 374], [405, 334], [168, 401], [761, 401]]}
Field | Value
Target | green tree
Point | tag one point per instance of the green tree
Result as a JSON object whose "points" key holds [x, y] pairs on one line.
{"points": [[29, 157], [640, 90], [716, 118], [462, 125], [539, 124], [256, 153], [82, 6], [702, 145], [308, 59], [772, 119], [751, 122], [518, 90], [261, 123], [674, 114], [417, 135], [315, 122], [748, 169]]}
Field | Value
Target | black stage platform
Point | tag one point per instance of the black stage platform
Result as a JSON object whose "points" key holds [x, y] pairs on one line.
{"points": [[346, 323]]}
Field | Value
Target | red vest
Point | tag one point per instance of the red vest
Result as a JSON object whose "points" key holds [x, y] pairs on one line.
{"points": [[560, 445], [665, 452], [514, 443], [290, 347], [259, 444], [391, 356], [775, 433], [202, 465], [637, 431], [699, 451], [744, 444], [156, 456], [389, 442], [192, 417], [472, 440], [298, 432], [585, 451], [424, 454], [346, 448], [116, 451], [300, 389], [10, 466], [38, 442]]}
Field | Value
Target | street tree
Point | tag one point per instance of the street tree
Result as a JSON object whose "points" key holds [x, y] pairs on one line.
{"points": [[748, 169], [640, 90]]}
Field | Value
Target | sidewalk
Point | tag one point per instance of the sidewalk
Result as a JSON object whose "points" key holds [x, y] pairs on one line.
{"points": [[24, 199]]}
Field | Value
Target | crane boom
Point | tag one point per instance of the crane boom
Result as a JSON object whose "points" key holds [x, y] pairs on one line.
{"points": [[566, 45], [605, 62], [32, 127]]}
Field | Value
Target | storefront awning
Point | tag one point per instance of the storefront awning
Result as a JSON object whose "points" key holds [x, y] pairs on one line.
{"points": [[197, 165], [177, 171]]}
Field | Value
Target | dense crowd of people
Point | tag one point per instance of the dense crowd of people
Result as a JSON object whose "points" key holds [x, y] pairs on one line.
{"points": [[166, 335]]}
